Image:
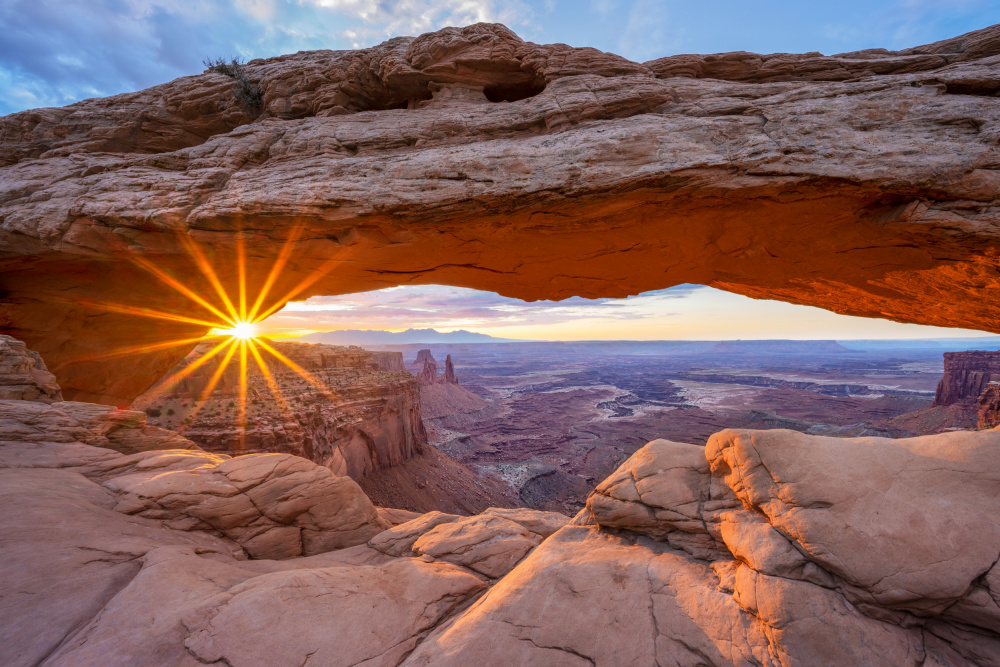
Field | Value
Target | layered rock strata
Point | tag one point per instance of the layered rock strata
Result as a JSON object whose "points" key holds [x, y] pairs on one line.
{"points": [[988, 408], [966, 376], [423, 358], [763, 548], [23, 375], [470, 157], [357, 412]]}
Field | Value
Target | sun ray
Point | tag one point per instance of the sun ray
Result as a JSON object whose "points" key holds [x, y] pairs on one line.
{"points": [[306, 375], [209, 273], [241, 406], [307, 282], [176, 284], [139, 349], [197, 406], [240, 335], [279, 397], [169, 383], [276, 269], [241, 267], [144, 312]]}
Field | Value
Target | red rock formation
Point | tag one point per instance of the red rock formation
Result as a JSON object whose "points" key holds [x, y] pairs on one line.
{"points": [[764, 547], [441, 396], [428, 374], [966, 375], [365, 419], [422, 357], [988, 412], [538, 171], [23, 375], [449, 372], [390, 362], [426, 366]]}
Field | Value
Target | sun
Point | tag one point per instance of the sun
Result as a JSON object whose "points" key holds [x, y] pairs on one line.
{"points": [[229, 317], [242, 330]]}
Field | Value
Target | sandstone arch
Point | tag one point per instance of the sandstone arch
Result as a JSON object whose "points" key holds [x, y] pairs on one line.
{"points": [[864, 183]]}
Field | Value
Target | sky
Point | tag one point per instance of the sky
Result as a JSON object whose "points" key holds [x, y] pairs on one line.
{"points": [[684, 312], [55, 52]]}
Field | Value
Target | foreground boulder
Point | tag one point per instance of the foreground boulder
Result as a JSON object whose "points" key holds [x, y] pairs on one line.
{"points": [[106, 527], [864, 183], [777, 548], [763, 548]]}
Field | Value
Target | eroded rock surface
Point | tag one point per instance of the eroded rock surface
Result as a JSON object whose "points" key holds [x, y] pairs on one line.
{"points": [[966, 376], [470, 157], [348, 413], [988, 408], [24, 375], [763, 548], [490, 543]]}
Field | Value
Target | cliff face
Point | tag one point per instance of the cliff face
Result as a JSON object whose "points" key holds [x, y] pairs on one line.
{"points": [[360, 419], [966, 376], [988, 410], [515, 161], [760, 548], [423, 357]]}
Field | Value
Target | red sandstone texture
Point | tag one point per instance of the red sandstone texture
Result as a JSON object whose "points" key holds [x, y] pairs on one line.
{"points": [[364, 420], [966, 376], [865, 183], [988, 408], [359, 419], [760, 548], [966, 396]]}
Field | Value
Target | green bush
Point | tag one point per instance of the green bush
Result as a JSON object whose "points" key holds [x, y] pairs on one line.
{"points": [[247, 92]]}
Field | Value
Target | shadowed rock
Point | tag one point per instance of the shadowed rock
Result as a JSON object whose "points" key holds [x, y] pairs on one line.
{"points": [[863, 183]]}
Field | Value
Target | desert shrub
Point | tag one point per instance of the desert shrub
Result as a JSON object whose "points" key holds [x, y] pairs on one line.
{"points": [[246, 91], [153, 412], [170, 412]]}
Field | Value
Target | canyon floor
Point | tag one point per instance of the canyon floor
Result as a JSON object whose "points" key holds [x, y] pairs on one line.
{"points": [[560, 417]]}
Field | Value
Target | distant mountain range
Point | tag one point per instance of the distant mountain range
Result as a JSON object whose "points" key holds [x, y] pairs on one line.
{"points": [[364, 337]]}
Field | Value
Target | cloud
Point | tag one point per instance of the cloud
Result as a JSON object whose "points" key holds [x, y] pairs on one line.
{"points": [[450, 308], [55, 52], [649, 32]]}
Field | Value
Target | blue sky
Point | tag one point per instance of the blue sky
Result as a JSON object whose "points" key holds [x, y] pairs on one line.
{"points": [[54, 52]]}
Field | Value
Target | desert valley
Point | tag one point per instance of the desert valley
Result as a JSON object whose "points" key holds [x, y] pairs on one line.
{"points": [[179, 488]]}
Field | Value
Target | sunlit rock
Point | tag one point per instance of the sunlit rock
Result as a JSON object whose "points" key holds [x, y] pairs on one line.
{"points": [[864, 183]]}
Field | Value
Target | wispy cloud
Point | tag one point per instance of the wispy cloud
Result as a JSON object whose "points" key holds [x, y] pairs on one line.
{"points": [[649, 32], [54, 52], [449, 308]]}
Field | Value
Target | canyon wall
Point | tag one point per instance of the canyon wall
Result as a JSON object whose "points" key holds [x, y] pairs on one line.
{"points": [[865, 183], [988, 408], [759, 548], [966, 377], [357, 419]]}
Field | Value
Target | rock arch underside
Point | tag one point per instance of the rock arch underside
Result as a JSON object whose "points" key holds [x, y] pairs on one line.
{"points": [[865, 183]]}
